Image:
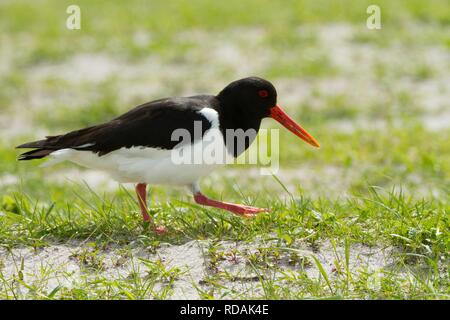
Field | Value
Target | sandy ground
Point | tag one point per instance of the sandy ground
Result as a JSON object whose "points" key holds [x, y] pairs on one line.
{"points": [[64, 265]]}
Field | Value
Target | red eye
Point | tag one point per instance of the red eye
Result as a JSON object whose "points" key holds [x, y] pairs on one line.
{"points": [[263, 93]]}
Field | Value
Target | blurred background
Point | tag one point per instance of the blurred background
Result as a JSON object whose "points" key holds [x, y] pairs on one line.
{"points": [[376, 100]]}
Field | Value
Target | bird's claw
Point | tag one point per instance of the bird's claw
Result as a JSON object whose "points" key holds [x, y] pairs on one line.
{"points": [[249, 212], [160, 230]]}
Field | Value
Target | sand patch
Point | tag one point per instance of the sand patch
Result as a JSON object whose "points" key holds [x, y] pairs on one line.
{"points": [[239, 267]]}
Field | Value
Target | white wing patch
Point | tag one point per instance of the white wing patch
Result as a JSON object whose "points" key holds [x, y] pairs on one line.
{"points": [[86, 145], [212, 116]]}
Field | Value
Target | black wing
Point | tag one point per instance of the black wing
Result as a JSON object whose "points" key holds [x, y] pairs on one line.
{"points": [[148, 125]]}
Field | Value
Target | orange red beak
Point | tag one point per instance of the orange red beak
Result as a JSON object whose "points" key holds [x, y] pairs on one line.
{"points": [[279, 115]]}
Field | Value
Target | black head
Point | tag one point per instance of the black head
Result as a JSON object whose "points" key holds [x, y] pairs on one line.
{"points": [[251, 97], [244, 103]]}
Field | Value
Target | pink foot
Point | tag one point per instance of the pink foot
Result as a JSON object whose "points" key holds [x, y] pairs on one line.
{"points": [[160, 230], [239, 209], [247, 211]]}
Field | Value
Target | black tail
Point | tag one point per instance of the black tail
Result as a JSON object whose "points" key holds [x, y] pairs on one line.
{"points": [[78, 140], [41, 149], [35, 154], [36, 144]]}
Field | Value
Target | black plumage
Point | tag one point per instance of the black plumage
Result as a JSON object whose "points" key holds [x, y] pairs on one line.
{"points": [[147, 125]]}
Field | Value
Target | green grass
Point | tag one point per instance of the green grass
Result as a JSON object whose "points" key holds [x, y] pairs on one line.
{"points": [[380, 180], [27, 221], [420, 228]]}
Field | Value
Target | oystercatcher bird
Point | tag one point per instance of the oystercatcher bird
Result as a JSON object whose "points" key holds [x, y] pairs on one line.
{"points": [[138, 146]]}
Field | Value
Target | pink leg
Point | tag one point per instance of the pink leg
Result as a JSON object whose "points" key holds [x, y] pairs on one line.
{"points": [[141, 191], [239, 209]]}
